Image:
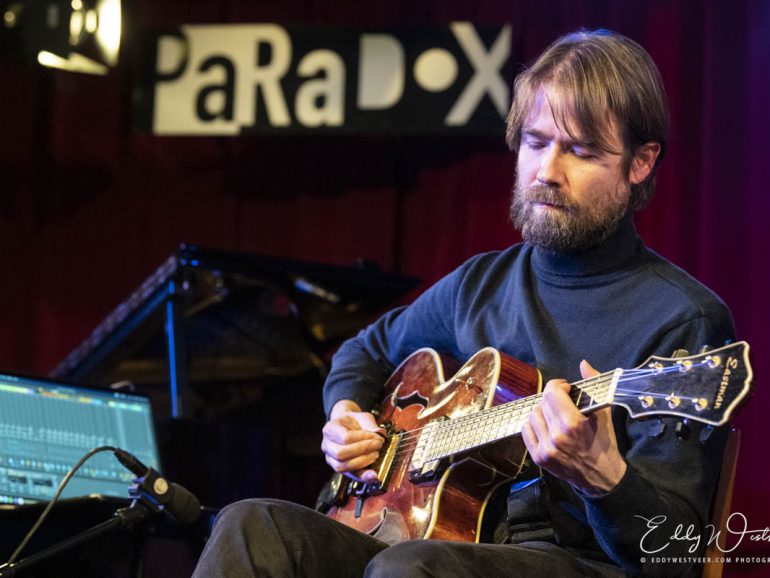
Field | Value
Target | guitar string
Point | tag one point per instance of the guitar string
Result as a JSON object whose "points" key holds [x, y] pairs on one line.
{"points": [[531, 400], [411, 437], [511, 413]]}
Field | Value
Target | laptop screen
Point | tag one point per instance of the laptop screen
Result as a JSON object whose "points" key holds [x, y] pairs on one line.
{"points": [[46, 426]]}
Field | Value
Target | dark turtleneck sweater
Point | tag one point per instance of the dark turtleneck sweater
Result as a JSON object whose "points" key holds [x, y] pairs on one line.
{"points": [[614, 305]]}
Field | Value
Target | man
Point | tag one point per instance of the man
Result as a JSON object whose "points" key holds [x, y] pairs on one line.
{"points": [[588, 125]]}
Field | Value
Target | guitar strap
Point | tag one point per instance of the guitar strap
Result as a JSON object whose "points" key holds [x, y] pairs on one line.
{"points": [[528, 511]]}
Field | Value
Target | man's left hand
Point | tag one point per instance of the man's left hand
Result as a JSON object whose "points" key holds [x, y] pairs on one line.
{"points": [[580, 449]]}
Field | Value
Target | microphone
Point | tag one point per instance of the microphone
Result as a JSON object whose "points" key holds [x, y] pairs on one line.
{"points": [[152, 489]]}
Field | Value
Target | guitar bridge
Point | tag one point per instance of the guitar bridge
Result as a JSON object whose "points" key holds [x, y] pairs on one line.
{"points": [[383, 465]]}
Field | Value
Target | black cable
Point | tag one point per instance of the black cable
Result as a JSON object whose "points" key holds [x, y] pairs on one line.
{"points": [[55, 498]]}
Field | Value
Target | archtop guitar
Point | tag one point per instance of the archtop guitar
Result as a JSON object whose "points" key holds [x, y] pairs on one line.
{"points": [[450, 443]]}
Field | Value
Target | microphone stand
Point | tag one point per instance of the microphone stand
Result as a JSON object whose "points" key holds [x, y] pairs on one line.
{"points": [[145, 494], [125, 518]]}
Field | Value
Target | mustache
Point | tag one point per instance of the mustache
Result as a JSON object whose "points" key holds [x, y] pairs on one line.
{"points": [[545, 194]]}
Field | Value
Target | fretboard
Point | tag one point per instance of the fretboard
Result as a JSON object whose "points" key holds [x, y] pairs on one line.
{"points": [[453, 436]]}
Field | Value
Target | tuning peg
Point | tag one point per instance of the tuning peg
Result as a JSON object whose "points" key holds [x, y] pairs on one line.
{"points": [[680, 353], [705, 433], [684, 365], [657, 429], [682, 429], [705, 349]]}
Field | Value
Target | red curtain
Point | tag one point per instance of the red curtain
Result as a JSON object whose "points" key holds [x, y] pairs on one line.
{"points": [[89, 206]]}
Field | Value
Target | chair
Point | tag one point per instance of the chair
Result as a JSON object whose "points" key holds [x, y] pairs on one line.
{"points": [[721, 506]]}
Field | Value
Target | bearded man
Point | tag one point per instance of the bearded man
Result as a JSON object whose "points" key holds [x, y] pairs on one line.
{"points": [[588, 126]]}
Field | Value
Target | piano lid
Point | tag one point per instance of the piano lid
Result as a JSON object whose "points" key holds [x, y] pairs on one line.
{"points": [[239, 316]]}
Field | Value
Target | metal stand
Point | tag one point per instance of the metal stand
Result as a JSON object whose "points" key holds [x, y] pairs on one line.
{"points": [[177, 354], [124, 518]]}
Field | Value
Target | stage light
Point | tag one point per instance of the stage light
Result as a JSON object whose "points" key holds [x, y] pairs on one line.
{"points": [[74, 63], [76, 35], [108, 32]]}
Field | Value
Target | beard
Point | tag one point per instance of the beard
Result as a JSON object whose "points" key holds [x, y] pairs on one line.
{"points": [[571, 227]]}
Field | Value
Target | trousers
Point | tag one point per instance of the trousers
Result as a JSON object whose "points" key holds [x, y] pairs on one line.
{"points": [[263, 537]]}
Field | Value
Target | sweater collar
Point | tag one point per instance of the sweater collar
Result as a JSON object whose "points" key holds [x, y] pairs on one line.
{"points": [[612, 254]]}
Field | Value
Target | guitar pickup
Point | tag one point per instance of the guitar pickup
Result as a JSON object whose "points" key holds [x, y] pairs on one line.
{"points": [[423, 466], [426, 473]]}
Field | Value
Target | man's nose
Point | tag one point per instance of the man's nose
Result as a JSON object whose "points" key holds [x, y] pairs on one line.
{"points": [[551, 171]]}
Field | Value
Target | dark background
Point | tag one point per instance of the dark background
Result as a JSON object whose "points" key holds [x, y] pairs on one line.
{"points": [[90, 206]]}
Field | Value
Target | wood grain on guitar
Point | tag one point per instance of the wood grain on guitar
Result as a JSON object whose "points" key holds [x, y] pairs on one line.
{"points": [[452, 442]]}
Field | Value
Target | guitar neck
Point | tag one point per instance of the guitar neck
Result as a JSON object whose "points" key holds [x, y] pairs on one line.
{"points": [[471, 431]]}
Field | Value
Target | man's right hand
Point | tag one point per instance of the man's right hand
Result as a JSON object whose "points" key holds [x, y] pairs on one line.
{"points": [[352, 440]]}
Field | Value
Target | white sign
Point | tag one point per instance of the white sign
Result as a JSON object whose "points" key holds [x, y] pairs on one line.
{"points": [[234, 79]]}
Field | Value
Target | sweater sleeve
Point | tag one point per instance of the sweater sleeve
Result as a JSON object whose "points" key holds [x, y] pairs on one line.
{"points": [[653, 523], [362, 364]]}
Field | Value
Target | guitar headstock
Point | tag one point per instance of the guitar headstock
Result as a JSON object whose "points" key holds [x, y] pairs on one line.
{"points": [[706, 387]]}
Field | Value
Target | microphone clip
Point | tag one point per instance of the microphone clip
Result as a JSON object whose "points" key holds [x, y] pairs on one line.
{"points": [[152, 490]]}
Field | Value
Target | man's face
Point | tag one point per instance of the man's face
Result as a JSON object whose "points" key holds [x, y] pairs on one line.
{"points": [[569, 194]]}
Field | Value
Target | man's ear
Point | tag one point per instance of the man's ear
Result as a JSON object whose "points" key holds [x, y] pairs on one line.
{"points": [[643, 162]]}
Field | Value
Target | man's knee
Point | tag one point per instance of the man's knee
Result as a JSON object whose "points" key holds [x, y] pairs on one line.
{"points": [[417, 558], [238, 512], [253, 515]]}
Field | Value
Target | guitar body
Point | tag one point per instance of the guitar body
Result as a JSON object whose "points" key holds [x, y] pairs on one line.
{"points": [[451, 504]]}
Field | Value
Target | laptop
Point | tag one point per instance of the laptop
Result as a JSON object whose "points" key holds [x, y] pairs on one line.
{"points": [[46, 426]]}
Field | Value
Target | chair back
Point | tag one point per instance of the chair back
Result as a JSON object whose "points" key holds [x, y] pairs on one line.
{"points": [[721, 506]]}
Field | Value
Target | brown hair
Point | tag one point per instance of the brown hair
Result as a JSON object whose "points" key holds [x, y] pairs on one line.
{"points": [[597, 77]]}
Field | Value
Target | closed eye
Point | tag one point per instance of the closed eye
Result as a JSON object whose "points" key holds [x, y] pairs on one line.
{"points": [[584, 152], [533, 142]]}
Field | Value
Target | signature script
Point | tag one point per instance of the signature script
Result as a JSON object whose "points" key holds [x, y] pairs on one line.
{"points": [[737, 525]]}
